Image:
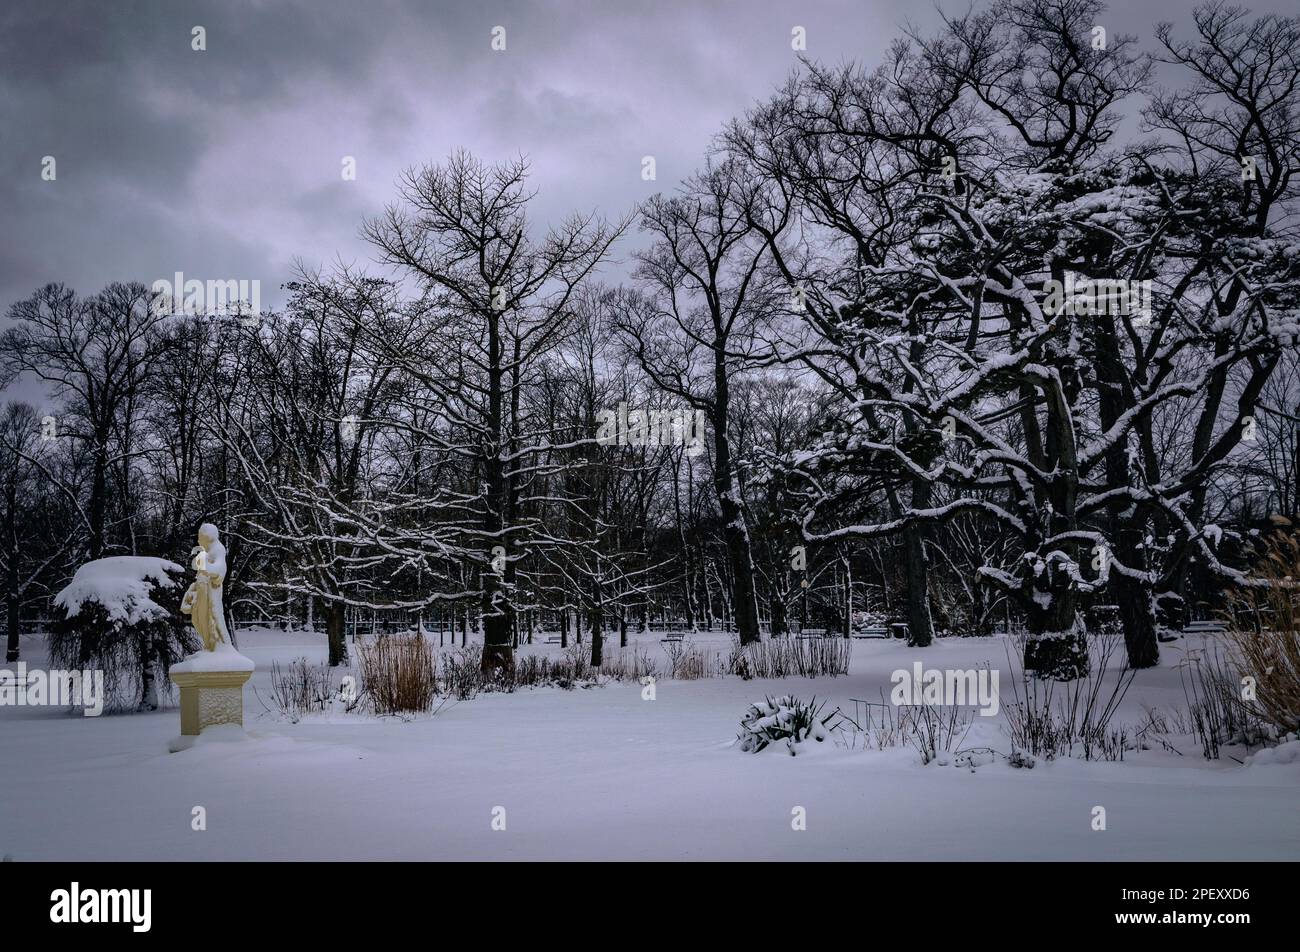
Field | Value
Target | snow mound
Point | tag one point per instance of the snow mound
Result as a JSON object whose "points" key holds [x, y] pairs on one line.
{"points": [[121, 584], [1288, 753], [216, 734]]}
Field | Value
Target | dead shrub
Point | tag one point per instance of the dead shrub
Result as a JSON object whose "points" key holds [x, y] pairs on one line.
{"points": [[687, 662], [629, 664], [1071, 718], [398, 674], [301, 688], [462, 674], [791, 657]]}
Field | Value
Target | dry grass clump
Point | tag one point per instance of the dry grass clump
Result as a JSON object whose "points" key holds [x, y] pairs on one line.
{"points": [[1265, 634], [791, 657], [398, 674]]}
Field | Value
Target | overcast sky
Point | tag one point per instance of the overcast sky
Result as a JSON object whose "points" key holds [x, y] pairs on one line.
{"points": [[227, 163]]}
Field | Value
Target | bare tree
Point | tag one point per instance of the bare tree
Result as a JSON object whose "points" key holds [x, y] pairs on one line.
{"points": [[494, 299], [697, 328], [96, 353]]}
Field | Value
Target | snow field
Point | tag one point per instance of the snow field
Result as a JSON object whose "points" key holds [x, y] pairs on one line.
{"points": [[600, 773]]}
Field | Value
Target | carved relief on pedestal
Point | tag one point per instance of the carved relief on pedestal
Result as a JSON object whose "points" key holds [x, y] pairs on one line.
{"points": [[221, 706]]}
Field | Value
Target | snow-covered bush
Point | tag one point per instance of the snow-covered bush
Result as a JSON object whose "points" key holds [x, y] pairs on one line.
{"points": [[121, 615], [786, 718]]}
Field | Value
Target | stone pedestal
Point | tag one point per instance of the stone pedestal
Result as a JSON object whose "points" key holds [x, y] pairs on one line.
{"points": [[212, 688], [209, 698]]}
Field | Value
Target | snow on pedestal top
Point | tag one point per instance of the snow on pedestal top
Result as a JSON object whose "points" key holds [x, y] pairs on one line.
{"points": [[223, 658], [121, 584]]}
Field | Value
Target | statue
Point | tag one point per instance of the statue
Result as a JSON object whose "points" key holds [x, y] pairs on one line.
{"points": [[212, 679], [202, 601]]}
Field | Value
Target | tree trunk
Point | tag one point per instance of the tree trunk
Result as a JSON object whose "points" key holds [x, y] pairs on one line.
{"points": [[498, 655], [776, 606], [11, 577], [744, 601], [13, 602], [920, 625], [1138, 619], [98, 503], [11, 649], [148, 655], [916, 567], [848, 598], [731, 506], [1057, 645], [498, 612], [1137, 612], [688, 601], [597, 638], [1133, 596], [336, 622]]}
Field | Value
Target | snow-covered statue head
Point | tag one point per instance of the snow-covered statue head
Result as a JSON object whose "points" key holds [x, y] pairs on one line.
{"points": [[202, 601]]}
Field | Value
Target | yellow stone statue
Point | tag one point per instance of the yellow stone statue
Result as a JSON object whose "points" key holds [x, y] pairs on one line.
{"points": [[212, 679], [202, 601]]}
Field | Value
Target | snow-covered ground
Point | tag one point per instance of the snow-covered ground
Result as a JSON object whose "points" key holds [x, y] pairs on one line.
{"points": [[602, 773]]}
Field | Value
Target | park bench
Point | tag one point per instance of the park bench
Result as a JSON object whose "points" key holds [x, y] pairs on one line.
{"points": [[871, 631], [808, 633], [553, 640], [672, 638]]}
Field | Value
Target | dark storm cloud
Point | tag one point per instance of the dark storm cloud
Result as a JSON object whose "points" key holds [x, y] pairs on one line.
{"points": [[226, 163], [130, 112]]}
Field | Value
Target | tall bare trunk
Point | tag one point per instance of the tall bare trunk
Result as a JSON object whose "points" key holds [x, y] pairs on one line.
{"points": [[11, 648], [336, 622]]}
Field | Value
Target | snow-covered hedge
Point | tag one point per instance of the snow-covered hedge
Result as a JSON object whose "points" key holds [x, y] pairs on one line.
{"points": [[121, 615]]}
